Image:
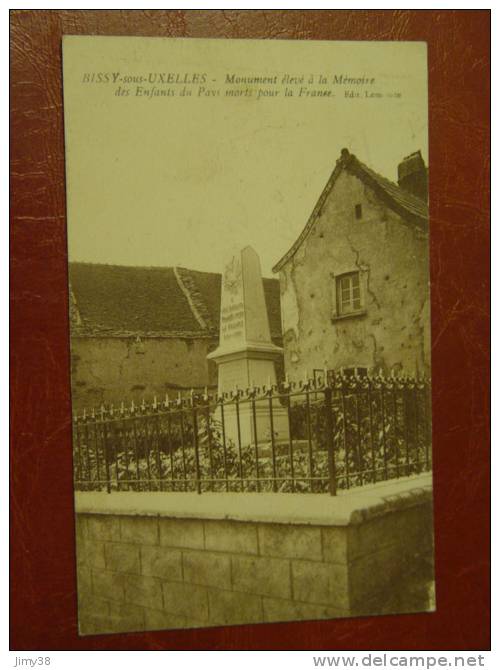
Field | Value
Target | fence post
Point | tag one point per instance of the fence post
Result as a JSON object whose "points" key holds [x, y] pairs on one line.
{"points": [[224, 445], [255, 439], [428, 421], [196, 447], [238, 427], [106, 454], [288, 390], [273, 445], [77, 462], [332, 481]]}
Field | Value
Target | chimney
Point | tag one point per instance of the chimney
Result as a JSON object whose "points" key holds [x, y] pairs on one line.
{"points": [[412, 175]]}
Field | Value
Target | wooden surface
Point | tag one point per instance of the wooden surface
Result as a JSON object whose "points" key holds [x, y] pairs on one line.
{"points": [[43, 585]]}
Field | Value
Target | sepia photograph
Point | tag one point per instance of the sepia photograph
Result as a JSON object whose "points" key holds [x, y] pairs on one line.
{"points": [[249, 305]]}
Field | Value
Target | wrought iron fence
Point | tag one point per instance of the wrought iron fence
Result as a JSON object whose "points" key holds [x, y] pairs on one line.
{"points": [[339, 433]]}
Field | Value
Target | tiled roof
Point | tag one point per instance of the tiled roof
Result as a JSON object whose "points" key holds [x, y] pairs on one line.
{"points": [[155, 301], [209, 287], [407, 205]]}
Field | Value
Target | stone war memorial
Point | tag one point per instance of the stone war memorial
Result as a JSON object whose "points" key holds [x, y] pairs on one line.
{"points": [[246, 355]]}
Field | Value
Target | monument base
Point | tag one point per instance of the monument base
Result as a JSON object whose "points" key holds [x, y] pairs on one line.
{"points": [[249, 367], [246, 366], [254, 429]]}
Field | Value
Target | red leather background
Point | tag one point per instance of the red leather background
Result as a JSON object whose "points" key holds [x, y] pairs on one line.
{"points": [[43, 585]]}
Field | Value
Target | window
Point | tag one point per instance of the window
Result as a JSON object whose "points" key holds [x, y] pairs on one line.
{"points": [[348, 293], [358, 211]]}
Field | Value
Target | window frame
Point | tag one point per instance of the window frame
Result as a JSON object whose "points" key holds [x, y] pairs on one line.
{"points": [[355, 292]]}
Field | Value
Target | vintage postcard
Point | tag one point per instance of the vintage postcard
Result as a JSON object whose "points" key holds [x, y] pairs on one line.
{"points": [[250, 330]]}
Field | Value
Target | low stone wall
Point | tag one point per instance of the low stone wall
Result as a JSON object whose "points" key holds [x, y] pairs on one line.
{"points": [[154, 570]]}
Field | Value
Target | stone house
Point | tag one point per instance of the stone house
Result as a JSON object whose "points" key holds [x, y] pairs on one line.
{"points": [[137, 332], [355, 284]]}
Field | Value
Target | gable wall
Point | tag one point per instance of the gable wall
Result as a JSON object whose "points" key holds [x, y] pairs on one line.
{"points": [[392, 258]]}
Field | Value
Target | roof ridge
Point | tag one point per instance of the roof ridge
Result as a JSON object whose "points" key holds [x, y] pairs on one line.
{"points": [[419, 203], [154, 267], [193, 296], [200, 272], [75, 317], [122, 265]]}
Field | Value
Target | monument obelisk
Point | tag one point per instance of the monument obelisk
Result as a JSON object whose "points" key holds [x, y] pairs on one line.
{"points": [[246, 354]]}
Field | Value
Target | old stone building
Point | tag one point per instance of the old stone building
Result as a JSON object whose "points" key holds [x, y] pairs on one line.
{"points": [[137, 332], [355, 284]]}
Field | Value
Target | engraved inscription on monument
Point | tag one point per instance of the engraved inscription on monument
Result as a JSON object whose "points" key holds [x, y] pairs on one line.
{"points": [[232, 321]]}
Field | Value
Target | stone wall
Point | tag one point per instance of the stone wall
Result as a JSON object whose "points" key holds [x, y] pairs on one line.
{"points": [[392, 333], [116, 369], [112, 369], [138, 572]]}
